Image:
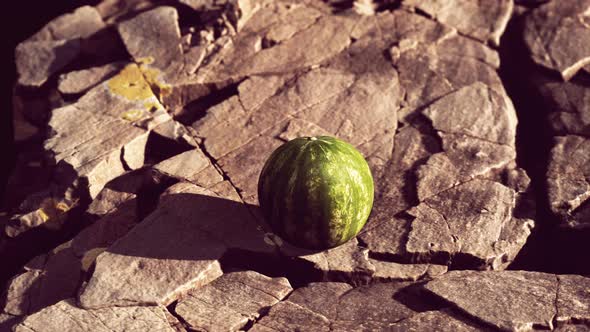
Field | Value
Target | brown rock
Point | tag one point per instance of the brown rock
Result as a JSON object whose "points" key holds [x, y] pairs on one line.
{"points": [[37, 61], [91, 144], [45, 285], [81, 23], [57, 275], [389, 271], [335, 306], [568, 180], [229, 302], [66, 316], [573, 299], [81, 81], [348, 261], [549, 30], [431, 69], [467, 219], [55, 45], [442, 320], [321, 297], [192, 166], [153, 37], [570, 112], [188, 262], [384, 232], [463, 159], [326, 37], [495, 121], [483, 20], [515, 300], [288, 316]]}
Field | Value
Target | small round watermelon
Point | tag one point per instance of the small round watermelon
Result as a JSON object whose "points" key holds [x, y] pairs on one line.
{"points": [[316, 192]]}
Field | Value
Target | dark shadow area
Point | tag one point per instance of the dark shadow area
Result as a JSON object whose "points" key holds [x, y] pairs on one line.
{"points": [[25, 18], [549, 248], [62, 272], [18, 250]]}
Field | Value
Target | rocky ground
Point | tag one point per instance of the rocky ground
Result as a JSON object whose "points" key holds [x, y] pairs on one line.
{"points": [[142, 126]]}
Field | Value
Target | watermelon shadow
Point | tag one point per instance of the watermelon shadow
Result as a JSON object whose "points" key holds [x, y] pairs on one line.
{"points": [[200, 227]]}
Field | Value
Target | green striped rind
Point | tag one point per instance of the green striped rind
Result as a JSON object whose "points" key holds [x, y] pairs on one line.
{"points": [[316, 193]]}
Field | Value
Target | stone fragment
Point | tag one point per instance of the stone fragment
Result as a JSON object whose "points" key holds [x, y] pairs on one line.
{"points": [[348, 261], [231, 301], [463, 159], [81, 23], [568, 180], [467, 219], [441, 320], [515, 300], [482, 20], [99, 137], [55, 45], [477, 111], [573, 299], [388, 271], [192, 166], [395, 192], [80, 81], [549, 30], [91, 144], [37, 61], [57, 275], [129, 96], [41, 209], [569, 106], [321, 297], [153, 37], [287, 316], [56, 280], [429, 71], [338, 307], [204, 224], [326, 37], [66, 316]]}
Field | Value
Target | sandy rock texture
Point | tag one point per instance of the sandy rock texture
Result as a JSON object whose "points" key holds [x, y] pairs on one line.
{"points": [[150, 122]]}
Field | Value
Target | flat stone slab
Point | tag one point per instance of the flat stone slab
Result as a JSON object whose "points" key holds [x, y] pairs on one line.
{"points": [[66, 316], [570, 112], [231, 301], [535, 299], [568, 180], [482, 20], [56, 276], [190, 261], [80, 81], [330, 306], [55, 45], [549, 30]]}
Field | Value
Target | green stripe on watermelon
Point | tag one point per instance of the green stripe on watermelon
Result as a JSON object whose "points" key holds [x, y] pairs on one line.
{"points": [[316, 192]]}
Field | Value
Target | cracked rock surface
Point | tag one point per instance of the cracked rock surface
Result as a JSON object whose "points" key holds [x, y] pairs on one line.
{"points": [[547, 30], [149, 123]]}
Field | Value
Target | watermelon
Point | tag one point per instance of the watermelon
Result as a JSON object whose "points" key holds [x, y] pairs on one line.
{"points": [[316, 192]]}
